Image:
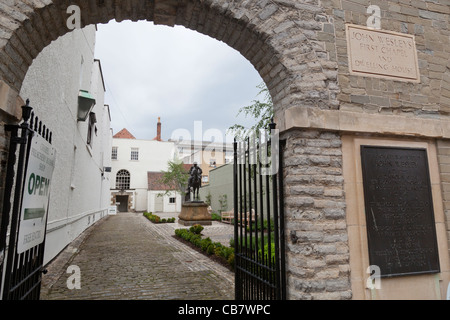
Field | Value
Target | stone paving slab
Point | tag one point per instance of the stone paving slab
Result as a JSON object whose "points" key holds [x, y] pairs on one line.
{"points": [[125, 256]]}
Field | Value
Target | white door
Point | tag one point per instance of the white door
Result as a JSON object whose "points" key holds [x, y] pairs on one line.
{"points": [[159, 205]]}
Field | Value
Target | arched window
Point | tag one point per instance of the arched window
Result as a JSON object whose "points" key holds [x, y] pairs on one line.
{"points": [[123, 180]]}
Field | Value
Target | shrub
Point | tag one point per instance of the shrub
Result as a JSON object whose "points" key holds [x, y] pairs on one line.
{"points": [[218, 251], [156, 219], [197, 241], [266, 251], [226, 252], [231, 260], [206, 245], [180, 232], [196, 228], [210, 249]]}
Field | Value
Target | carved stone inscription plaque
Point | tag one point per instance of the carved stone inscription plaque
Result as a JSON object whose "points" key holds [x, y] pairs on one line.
{"points": [[399, 210], [382, 54]]}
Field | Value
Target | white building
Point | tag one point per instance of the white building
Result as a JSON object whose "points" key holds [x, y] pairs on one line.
{"points": [[132, 160], [158, 199], [80, 188], [207, 154]]}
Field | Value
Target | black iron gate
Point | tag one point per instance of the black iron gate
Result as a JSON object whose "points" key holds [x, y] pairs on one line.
{"points": [[20, 273], [259, 218]]}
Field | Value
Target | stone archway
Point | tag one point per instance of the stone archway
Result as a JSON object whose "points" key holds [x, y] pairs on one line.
{"points": [[282, 39], [286, 42], [300, 49]]}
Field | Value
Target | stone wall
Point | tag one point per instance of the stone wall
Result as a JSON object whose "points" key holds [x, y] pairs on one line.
{"points": [[10, 113], [428, 21], [317, 244], [299, 47], [443, 151]]}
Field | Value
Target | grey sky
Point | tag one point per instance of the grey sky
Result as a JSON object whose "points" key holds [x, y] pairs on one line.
{"points": [[175, 73]]}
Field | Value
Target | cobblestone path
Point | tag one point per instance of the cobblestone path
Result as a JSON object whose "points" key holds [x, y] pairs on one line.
{"points": [[125, 256]]}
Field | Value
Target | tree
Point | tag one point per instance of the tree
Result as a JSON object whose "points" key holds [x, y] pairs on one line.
{"points": [[261, 111], [176, 176]]}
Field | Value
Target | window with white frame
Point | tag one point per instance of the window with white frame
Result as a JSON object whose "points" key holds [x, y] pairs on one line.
{"points": [[172, 200], [134, 153], [114, 153]]}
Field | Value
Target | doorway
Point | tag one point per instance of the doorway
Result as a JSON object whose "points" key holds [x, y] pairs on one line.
{"points": [[159, 204], [122, 203]]}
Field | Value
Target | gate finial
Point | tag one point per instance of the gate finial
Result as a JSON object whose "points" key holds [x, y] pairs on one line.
{"points": [[26, 111]]}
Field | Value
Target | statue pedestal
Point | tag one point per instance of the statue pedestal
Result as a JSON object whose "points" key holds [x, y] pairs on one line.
{"points": [[195, 212]]}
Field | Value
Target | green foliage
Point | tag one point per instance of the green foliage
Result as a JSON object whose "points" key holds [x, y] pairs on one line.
{"points": [[176, 176], [196, 228], [231, 260], [216, 216], [156, 219], [223, 200], [210, 249], [208, 199], [266, 251], [207, 246], [261, 111], [262, 252], [265, 226]]}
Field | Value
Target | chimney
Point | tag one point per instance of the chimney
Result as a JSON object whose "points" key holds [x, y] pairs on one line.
{"points": [[158, 130]]}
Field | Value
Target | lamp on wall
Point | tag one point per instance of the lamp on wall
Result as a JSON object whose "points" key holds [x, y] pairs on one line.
{"points": [[85, 103]]}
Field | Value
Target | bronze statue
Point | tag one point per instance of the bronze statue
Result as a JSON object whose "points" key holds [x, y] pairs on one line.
{"points": [[194, 182]]}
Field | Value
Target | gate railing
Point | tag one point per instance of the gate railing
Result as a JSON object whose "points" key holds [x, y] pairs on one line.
{"points": [[259, 219], [20, 273]]}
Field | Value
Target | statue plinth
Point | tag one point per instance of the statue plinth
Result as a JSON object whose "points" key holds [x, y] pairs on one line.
{"points": [[194, 212]]}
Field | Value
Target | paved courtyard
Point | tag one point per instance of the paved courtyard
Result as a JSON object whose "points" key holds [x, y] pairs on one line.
{"points": [[125, 256]]}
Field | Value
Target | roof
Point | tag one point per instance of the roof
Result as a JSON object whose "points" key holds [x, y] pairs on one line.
{"points": [[154, 180], [124, 134]]}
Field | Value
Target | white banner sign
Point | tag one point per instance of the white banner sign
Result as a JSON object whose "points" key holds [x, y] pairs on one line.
{"points": [[36, 194]]}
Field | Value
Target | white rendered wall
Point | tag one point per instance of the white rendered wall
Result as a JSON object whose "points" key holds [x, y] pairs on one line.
{"points": [[167, 206], [153, 156], [79, 193]]}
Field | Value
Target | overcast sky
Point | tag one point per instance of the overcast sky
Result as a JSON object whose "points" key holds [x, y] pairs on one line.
{"points": [[175, 73]]}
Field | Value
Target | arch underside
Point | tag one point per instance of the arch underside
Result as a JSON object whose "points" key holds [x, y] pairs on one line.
{"points": [[34, 25]]}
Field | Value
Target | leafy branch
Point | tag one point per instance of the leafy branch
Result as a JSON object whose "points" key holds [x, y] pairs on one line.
{"points": [[176, 177], [261, 111]]}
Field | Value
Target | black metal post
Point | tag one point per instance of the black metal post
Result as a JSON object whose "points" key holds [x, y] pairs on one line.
{"points": [[282, 233], [21, 165], [274, 158], [235, 205]]}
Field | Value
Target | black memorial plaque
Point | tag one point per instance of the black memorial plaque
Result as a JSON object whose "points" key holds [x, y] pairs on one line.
{"points": [[399, 210]]}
